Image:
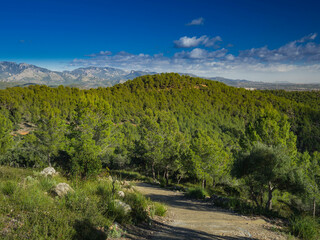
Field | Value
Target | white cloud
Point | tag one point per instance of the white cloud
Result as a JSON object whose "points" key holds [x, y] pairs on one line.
{"points": [[189, 42], [296, 61], [101, 53], [304, 49], [197, 21]]}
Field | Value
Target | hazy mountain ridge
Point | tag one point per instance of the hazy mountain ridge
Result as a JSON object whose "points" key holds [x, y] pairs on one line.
{"points": [[252, 85], [22, 74]]}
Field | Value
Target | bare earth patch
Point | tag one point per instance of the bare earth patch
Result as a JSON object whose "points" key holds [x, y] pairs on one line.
{"points": [[189, 219]]}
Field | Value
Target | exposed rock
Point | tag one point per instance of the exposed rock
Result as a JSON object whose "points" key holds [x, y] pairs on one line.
{"points": [[62, 189], [121, 194], [49, 171], [119, 204]]}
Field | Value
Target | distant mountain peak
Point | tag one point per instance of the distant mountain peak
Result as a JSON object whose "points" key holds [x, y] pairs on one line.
{"points": [[86, 77]]}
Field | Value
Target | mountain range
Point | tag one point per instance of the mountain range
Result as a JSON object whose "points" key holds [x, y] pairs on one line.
{"points": [[89, 77], [23, 74]]}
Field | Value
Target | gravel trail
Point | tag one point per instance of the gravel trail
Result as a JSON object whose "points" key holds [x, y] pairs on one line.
{"points": [[189, 219]]}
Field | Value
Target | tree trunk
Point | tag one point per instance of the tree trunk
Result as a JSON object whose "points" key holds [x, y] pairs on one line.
{"points": [[269, 202], [203, 183], [254, 197], [179, 179], [153, 172], [167, 176], [314, 207], [49, 162]]}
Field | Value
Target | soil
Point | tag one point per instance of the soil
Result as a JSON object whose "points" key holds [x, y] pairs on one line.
{"points": [[191, 219]]}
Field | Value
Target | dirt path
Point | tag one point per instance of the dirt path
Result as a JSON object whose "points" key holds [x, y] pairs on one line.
{"points": [[188, 219]]}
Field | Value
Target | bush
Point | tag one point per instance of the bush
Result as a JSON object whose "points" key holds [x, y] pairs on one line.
{"points": [[159, 209], [8, 188], [139, 204], [196, 193], [47, 183], [117, 213], [305, 228]]}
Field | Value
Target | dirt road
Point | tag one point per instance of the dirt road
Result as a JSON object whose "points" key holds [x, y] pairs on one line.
{"points": [[189, 219]]}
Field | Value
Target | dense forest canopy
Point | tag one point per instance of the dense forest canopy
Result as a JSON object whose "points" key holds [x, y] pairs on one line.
{"points": [[165, 125]]}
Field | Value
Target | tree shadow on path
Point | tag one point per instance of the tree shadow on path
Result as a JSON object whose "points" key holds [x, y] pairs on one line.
{"points": [[162, 231]]}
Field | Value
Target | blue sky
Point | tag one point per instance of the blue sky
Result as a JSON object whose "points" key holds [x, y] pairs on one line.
{"points": [[240, 39]]}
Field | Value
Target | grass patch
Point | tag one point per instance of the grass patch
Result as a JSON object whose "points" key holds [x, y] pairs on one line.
{"points": [[196, 193], [8, 188], [159, 209], [29, 211], [305, 227]]}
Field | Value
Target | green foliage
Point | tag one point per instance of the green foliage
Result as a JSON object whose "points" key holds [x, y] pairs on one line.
{"points": [[50, 132], [171, 127], [139, 204], [159, 209], [196, 193], [28, 210], [305, 228], [5, 129], [25, 153], [8, 187], [266, 169], [211, 161]]}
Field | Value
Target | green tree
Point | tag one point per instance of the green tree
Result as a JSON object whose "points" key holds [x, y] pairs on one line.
{"points": [[89, 132], [6, 140], [311, 165], [267, 168], [211, 160], [272, 128], [148, 149], [50, 131]]}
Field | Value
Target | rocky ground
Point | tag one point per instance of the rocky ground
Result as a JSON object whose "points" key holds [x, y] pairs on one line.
{"points": [[190, 219]]}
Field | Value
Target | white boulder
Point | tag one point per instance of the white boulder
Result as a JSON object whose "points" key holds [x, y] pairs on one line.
{"points": [[49, 171], [62, 189]]}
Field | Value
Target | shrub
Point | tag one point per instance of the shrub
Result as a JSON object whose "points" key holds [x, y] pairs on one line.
{"points": [[117, 213], [305, 228], [139, 203], [196, 193], [159, 209], [47, 183], [8, 188]]}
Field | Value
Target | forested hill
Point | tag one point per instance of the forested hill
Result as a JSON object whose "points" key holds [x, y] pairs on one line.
{"points": [[196, 104], [215, 107], [154, 121]]}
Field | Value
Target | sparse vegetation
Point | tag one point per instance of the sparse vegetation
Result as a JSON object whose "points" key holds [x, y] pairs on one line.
{"points": [[29, 210]]}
